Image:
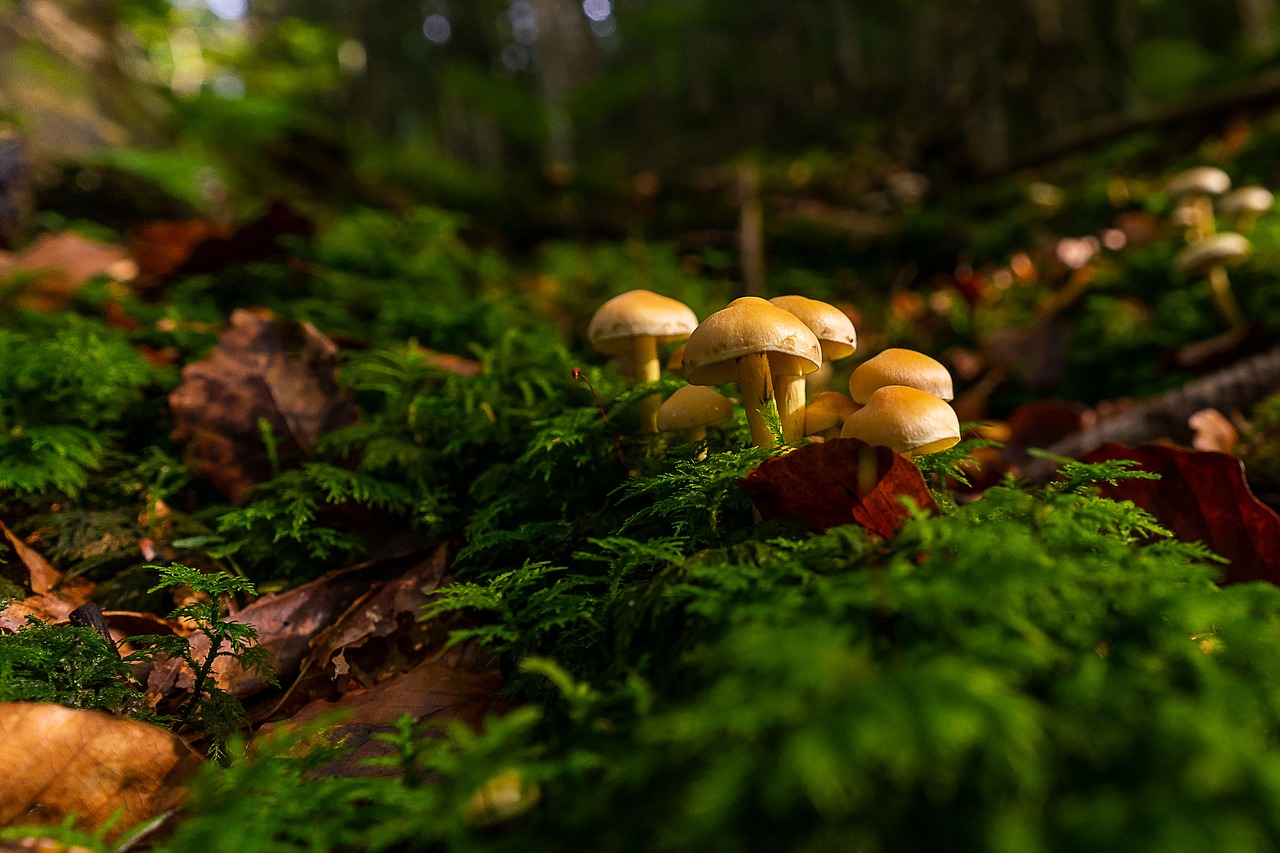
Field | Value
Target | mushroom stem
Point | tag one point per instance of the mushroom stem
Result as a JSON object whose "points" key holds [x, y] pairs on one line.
{"points": [[1223, 298], [644, 355], [757, 390], [693, 435], [790, 391], [1204, 217]]}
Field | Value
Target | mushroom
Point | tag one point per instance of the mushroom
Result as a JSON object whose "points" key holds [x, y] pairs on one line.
{"points": [[505, 795], [1245, 205], [746, 343], [827, 414], [838, 339], [1196, 187], [636, 322], [910, 421], [1210, 258], [692, 409], [900, 367]]}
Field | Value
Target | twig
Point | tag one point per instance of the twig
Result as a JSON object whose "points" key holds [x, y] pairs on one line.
{"points": [[1237, 387]]}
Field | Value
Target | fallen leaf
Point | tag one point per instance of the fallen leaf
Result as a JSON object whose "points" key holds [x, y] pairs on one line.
{"points": [[380, 634], [438, 691], [1212, 431], [55, 265], [1202, 496], [279, 371], [841, 481], [286, 624], [60, 762], [30, 569], [163, 246], [44, 608], [168, 250]]}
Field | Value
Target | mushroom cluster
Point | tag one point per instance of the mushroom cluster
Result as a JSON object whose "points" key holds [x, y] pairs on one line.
{"points": [[896, 399], [1209, 253]]}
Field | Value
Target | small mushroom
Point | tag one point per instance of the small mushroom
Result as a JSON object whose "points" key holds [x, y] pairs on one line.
{"points": [[692, 409], [747, 343], [907, 420], [838, 339], [504, 796], [1210, 258], [1196, 187], [900, 367], [826, 415], [1245, 205], [636, 322]]}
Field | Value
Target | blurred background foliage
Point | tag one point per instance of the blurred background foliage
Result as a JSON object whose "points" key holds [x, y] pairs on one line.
{"points": [[479, 102], [932, 165]]}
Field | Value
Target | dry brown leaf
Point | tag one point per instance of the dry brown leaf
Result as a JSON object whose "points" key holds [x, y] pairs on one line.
{"points": [[1212, 431], [44, 608], [55, 266], [31, 570], [172, 249], [278, 371], [163, 246], [381, 633], [437, 691], [61, 761], [286, 624]]}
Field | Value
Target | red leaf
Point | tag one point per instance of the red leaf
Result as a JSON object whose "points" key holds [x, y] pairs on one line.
{"points": [[1203, 496], [841, 481]]}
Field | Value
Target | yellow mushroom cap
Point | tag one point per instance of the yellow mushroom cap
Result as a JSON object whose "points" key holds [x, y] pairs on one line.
{"points": [[1203, 180], [639, 313], [828, 409], [503, 796], [693, 406], [1221, 249], [832, 326], [900, 367], [749, 325], [1247, 200], [908, 420]]}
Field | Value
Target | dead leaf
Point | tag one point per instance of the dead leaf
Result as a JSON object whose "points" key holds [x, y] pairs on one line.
{"points": [[44, 608], [1213, 431], [60, 762], [841, 481], [380, 634], [55, 265], [279, 371], [437, 691], [32, 570], [286, 624], [168, 250], [163, 246], [1202, 497]]}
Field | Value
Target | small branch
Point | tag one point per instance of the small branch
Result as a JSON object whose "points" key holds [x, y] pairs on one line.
{"points": [[1237, 388]]}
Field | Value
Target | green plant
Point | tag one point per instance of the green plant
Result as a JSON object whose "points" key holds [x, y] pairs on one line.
{"points": [[209, 710], [71, 666]]}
